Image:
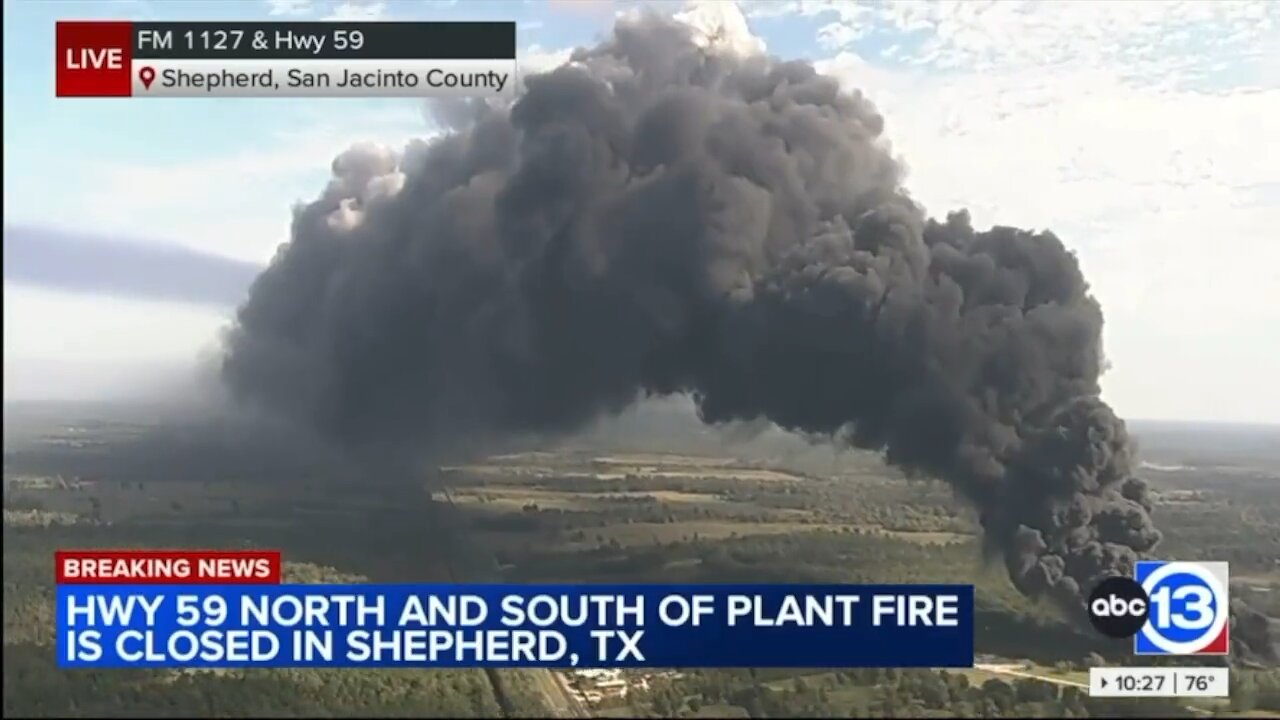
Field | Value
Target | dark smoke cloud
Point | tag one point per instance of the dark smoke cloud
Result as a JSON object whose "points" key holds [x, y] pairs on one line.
{"points": [[111, 266], [656, 218]]}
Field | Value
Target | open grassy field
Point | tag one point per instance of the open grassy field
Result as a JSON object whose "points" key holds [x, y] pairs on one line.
{"points": [[609, 471], [698, 497]]}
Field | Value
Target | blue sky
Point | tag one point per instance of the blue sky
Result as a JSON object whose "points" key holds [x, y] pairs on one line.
{"points": [[1137, 131]]}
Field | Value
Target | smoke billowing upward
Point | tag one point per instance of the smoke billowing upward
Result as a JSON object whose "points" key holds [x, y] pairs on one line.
{"points": [[658, 217]]}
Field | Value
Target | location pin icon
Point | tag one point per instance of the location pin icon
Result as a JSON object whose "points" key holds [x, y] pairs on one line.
{"points": [[147, 76]]}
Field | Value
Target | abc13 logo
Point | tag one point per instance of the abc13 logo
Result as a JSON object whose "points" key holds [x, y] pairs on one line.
{"points": [[1169, 608]]}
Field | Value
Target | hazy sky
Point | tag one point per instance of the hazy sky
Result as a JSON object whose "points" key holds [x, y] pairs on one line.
{"points": [[1142, 133]]}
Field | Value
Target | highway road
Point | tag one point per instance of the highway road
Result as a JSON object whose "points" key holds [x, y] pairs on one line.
{"points": [[558, 697]]}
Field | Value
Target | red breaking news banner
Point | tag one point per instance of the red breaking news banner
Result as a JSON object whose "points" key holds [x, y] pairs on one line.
{"points": [[167, 567], [94, 59]]}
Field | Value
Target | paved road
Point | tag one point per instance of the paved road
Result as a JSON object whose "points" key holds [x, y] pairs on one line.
{"points": [[1017, 671]]}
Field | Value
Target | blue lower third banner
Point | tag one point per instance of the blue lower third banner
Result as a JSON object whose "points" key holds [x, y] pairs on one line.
{"points": [[119, 626]]}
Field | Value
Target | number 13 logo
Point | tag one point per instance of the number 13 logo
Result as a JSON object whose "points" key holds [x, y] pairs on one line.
{"points": [[1189, 608]]}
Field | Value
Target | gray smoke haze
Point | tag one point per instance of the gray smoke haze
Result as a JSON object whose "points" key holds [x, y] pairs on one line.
{"points": [[123, 268], [656, 218]]}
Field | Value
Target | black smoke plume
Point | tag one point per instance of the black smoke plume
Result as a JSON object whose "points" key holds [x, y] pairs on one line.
{"points": [[655, 218]]}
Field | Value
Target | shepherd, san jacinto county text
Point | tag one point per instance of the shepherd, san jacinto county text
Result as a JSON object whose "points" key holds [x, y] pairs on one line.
{"points": [[320, 78], [349, 79]]}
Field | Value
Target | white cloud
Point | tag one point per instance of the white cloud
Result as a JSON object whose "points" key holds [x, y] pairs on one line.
{"points": [[848, 21], [536, 59], [237, 204], [1165, 42], [846, 9], [289, 7], [1170, 194], [721, 25], [48, 324], [836, 35], [79, 347], [355, 10]]}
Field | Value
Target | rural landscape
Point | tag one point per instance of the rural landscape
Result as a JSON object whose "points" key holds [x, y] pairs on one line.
{"points": [[709, 292], [652, 496]]}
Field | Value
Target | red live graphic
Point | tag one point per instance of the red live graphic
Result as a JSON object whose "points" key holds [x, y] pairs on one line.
{"points": [[167, 567], [94, 59]]}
